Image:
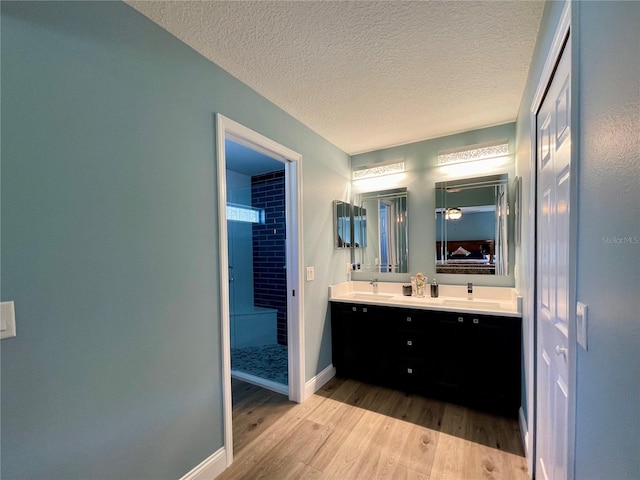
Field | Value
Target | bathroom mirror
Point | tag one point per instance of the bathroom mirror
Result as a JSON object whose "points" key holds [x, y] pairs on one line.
{"points": [[381, 225], [346, 224], [471, 226]]}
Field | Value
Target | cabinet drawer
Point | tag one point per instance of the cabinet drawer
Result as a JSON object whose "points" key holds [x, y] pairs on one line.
{"points": [[411, 374], [409, 320], [411, 367], [410, 343]]}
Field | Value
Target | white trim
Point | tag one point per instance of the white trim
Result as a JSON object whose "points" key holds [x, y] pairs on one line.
{"points": [[227, 128], [524, 431], [225, 330], [317, 382], [210, 467], [295, 257], [561, 35], [261, 382], [552, 57]]}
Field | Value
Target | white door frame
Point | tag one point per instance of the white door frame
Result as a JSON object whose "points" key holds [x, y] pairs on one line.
{"points": [[561, 35], [227, 128]]}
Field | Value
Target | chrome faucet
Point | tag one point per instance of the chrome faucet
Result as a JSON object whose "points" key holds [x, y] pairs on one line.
{"points": [[470, 291], [374, 284]]}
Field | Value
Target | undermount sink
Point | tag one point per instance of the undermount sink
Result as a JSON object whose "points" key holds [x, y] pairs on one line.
{"points": [[371, 296], [423, 300], [471, 304]]}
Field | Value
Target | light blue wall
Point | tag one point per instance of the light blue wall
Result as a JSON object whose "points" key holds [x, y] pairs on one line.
{"points": [[606, 93], [607, 65], [110, 242], [422, 174]]}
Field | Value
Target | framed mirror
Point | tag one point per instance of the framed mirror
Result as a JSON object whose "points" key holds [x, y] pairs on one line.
{"points": [[342, 224], [348, 232], [381, 226], [471, 226]]}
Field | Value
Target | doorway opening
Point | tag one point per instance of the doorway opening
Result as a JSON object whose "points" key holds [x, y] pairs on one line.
{"points": [[256, 237], [260, 264]]}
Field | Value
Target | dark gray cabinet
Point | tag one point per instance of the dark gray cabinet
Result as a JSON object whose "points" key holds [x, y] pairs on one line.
{"points": [[359, 348], [464, 358]]}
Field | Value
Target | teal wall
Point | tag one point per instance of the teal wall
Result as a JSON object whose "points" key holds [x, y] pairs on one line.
{"points": [[420, 178], [110, 242], [607, 67]]}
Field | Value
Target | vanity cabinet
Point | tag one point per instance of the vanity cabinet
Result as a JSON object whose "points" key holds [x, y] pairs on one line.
{"points": [[463, 358], [476, 360], [360, 347]]}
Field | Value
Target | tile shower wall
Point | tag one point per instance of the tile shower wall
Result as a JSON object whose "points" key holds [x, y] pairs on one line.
{"points": [[269, 261]]}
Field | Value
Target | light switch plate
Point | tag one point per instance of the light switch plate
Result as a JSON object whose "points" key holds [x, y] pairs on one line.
{"points": [[581, 324], [311, 274], [7, 320]]}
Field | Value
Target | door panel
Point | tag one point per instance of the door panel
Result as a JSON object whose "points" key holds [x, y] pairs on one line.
{"points": [[552, 312]]}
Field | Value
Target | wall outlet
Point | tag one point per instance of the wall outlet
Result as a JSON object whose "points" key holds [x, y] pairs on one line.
{"points": [[311, 274], [581, 324], [7, 320]]}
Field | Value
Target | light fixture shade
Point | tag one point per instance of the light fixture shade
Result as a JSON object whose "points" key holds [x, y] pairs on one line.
{"points": [[453, 213], [480, 151], [378, 170]]}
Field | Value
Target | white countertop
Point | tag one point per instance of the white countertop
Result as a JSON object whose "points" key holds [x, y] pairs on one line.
{"points": [[500, 301]]}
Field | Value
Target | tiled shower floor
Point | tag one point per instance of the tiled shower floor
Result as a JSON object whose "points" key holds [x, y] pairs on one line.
{"points": [[268, 361]]}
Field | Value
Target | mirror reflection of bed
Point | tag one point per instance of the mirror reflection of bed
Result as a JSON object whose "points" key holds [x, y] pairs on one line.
{"points": [[475, 257], [471, 219]]}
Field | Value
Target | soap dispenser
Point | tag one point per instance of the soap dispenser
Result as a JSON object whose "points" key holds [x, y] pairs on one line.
{"points": [[434, 289]]}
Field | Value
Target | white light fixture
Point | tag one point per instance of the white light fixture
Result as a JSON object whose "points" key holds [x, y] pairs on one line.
{"points": [[378, 170], [454, 213], [480, 151]]}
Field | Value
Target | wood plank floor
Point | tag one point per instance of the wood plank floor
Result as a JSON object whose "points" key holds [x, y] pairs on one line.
{"points": [[351, 431]]}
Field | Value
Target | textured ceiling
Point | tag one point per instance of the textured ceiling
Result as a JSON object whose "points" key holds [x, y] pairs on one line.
{"points": [[367, 74]]}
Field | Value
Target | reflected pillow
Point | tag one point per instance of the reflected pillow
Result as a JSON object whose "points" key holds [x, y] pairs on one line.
{"points": [[460, 252]]}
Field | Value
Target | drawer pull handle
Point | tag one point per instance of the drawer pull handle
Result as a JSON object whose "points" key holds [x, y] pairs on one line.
{"points": [[409, 342], [476, 321], [460, 319], [408, 319], [364, 310], [354, 309], [409, 371]]}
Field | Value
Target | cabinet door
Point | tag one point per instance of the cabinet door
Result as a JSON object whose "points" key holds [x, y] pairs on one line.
{"points": [[494, 363], [449, 355], [360, 342]]}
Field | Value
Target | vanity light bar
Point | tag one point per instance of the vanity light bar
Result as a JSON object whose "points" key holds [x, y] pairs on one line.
{"points": [[480, 151], [379, 170]]}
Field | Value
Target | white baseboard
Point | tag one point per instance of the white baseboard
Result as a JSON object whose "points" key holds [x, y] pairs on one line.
{"points": [[317, 382], [261, 382], [525, 437], [210, 468]]}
